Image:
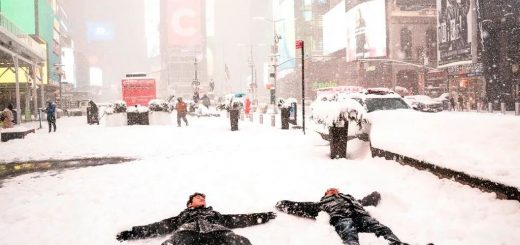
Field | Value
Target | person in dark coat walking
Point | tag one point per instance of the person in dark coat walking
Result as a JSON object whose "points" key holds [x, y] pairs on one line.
{"points": [[206, 101], [452, 103], [51, 115], [199, 225], [347, 215], [92, 113], [461, 103]]}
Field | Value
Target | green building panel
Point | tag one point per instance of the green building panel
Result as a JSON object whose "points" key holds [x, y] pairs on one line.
{"points": [[21, 13]]}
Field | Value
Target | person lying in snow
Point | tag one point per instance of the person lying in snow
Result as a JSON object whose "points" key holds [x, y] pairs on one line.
{"points": [[347, 215], [200, 225]]}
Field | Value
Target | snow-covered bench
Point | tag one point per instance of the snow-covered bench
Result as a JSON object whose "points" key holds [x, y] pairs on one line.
{"points": [[15, 133]]}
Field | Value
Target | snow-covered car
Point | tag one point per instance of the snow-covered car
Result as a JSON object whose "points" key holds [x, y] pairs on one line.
{"points": [[424, 103], [366, 102]]}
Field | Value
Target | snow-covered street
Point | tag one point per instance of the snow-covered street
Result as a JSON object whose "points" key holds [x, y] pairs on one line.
{"points": [[240, 172]]}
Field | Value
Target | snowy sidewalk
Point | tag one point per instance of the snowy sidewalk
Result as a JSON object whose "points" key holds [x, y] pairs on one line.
{"points": [[241, 172]]}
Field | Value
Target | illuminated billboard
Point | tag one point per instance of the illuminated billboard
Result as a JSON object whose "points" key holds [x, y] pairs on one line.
{"points": [[454, 31], [100, 31], [334, 29], [152, 15], [284, 13], [184, 22], [366, 30]]}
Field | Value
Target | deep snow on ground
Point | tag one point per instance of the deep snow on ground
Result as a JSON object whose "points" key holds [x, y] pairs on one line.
{"points": [[241, 172], [480, 144]]}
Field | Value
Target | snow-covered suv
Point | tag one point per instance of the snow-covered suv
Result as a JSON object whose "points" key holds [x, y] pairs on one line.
{"points": [[342, 106]]}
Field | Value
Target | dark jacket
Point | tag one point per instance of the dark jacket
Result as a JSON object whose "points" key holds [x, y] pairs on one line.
{"points": [[202, 220], [51, 111], [337, 206]]}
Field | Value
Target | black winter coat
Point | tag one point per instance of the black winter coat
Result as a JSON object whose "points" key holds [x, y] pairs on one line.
{"points": [[337, 206], [202, 220]]}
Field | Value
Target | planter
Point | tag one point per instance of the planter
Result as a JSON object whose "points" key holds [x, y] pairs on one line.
{"points": [[160, 118], [137, 118], [116, 120]]}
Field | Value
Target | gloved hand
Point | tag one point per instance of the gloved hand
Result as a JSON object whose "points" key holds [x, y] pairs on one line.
{"points": [[281, 205], [271, 215], [124, 235]]}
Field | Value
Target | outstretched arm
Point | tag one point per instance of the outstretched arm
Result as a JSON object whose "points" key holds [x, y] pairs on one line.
{"points": [[152, 230], [244, 220], [302, 209], [371, 200]]}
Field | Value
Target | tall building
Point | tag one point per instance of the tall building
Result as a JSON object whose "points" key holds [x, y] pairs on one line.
{"points": [[31, 45], [183, 45], [500, 23]]}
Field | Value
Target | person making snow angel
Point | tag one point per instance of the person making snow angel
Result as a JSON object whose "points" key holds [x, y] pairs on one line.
{"points": [[347, 215], [199, 225]]}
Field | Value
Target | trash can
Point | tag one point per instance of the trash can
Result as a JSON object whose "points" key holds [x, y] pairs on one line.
{"points": [[338, 141], [293, 113], [285, 117], [233, 118], [137, 118]]}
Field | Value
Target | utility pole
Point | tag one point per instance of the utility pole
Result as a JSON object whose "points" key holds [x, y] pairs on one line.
{"points": [[300, 44]]}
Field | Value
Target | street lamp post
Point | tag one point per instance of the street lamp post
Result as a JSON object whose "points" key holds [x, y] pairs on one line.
{"points": [[196, 82], [274, 55], [59, 72]]}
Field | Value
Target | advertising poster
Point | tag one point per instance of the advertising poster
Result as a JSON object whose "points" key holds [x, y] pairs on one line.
{"points": [[366, 30], [454, 31]]}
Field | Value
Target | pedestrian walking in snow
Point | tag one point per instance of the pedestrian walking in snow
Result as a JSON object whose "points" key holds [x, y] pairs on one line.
{"points": [[199, 225], [461, 103], [206, 101], [247, 108], [452, 103], [51, 115], [92, 113], [182, 110], [347, 215]]}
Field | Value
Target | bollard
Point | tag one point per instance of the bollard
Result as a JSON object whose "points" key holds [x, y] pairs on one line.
{"points": [[273, 121], [490, 107], [503, 107], [517, 108], [261, 118], [479, 105], [251, 117]]}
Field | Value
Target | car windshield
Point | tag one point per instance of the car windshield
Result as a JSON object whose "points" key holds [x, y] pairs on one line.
{"points": [[376, 104]]}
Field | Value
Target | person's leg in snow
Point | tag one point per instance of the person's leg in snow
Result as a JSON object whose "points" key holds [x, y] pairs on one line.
{"points": [[212, 238], [183, 238], [230, 238], [178, 120], [185, 120], [347, 231], [371, 225]]}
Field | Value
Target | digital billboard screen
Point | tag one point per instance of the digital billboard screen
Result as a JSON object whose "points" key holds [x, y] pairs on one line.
{"points": [[184, 22], [284, 12], [100, 31], [366, 30], [334, 29]]}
